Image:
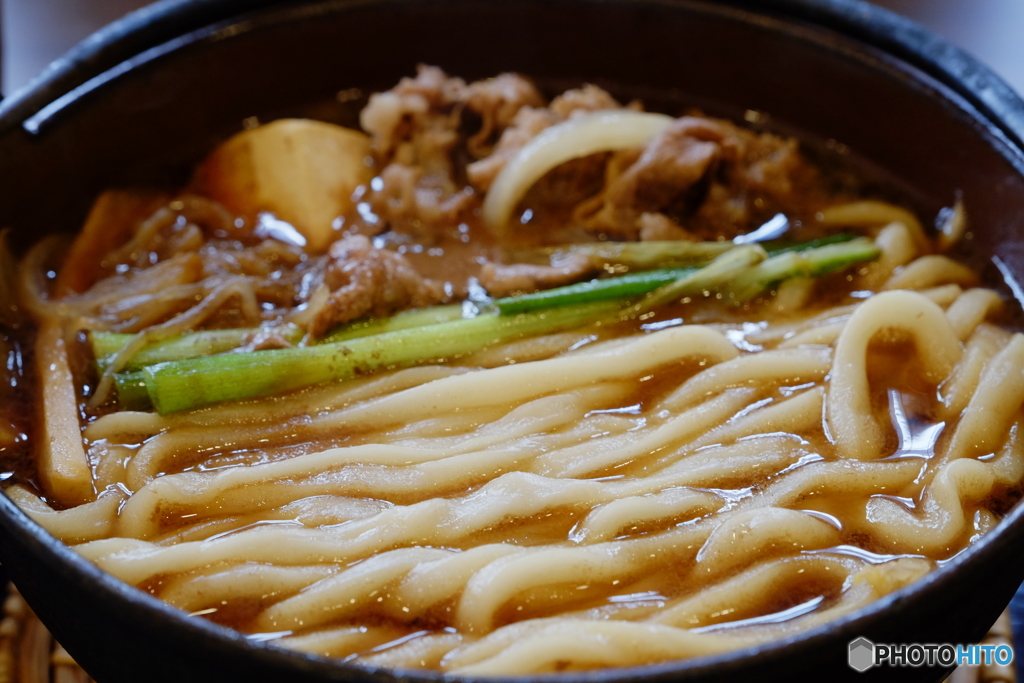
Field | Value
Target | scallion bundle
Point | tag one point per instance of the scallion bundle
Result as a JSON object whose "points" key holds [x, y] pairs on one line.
{"points": [[193, 370]]}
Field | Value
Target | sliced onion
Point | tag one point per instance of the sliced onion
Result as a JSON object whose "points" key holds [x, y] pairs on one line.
{"points": [[602, 131]]}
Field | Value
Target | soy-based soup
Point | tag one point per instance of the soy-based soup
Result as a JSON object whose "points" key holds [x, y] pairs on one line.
{"points": [[507, 385]]}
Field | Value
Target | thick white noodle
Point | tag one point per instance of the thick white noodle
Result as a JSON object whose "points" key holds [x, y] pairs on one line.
{"points": [[625, 502]]}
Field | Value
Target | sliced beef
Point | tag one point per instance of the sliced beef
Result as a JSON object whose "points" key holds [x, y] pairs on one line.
{"points": [[529, 122], [586, 99], [497, 101], [440, 143], [409, 201], [416, 128], [769, 176], [363, 280], [672, 163], [517, 278], [526, 125], [657, 227], [415, 123], [701, 179]]}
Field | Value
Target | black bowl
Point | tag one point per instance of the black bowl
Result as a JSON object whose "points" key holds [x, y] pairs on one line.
{"points": [[144, 99]]}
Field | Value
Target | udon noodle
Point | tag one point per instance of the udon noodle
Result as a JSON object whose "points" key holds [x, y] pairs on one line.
{"points": [[686, 481]]}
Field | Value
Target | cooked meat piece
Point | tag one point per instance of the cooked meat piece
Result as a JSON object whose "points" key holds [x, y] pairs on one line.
{"points": [[407, 201], [363, 280], [770, 165], [702, 179], [673, 162], [416, 132], [699, 179], [770, 176], [415, 127], [414, 121], [502, 280], [655, 227], [528, 123], [497, 101], [616, 165], [586, 99], [569, 184]]}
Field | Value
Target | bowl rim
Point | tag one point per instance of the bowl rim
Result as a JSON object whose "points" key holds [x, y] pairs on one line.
{"points": [[171, 25], [871, 25]]}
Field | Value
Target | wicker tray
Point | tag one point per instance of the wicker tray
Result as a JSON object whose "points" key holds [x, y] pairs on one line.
{"points": [[29, 654]]}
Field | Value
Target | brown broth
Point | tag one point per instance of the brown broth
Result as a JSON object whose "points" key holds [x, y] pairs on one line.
{"points": [[455, 256]]}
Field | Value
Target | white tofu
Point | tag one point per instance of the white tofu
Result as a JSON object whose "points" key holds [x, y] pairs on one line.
{"points": [[302, 171]]}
